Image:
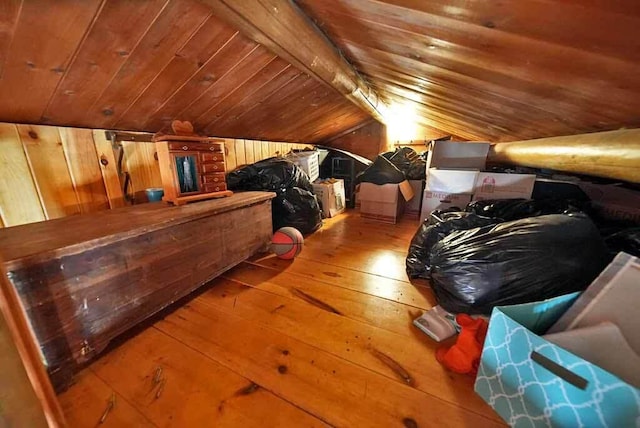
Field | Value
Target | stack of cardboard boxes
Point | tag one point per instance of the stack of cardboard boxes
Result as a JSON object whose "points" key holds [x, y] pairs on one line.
{"points": [[455, 177]]}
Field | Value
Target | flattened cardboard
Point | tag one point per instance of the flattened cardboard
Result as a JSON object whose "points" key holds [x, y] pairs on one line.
{"points": [[491, 185], [451, 181], [453, 155]]}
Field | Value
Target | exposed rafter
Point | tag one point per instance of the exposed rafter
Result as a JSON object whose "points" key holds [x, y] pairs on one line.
{"points": [[283, 28]]}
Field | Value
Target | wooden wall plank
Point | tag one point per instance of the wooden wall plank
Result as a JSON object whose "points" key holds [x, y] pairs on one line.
{"points": [[9, 12], [244, 93], [169, 32], [84, 167], [49, 168], [227, 85], [214, 69], [142, 166], [108, 169], [264, 147], [240, 154], [19, 201], [248, 152], [45, 40], [244, 108], [118, 28], [230, 154], [195, 54]]}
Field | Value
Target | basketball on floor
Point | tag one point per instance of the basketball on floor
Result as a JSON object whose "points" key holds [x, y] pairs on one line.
{"points": [[287, 242]]}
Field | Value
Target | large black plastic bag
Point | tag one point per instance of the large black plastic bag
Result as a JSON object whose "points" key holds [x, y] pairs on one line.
{"points": [[516, 262], [627, 240], [515, 209], [408, 161], [433, 229], [295, 204], [381, 171]]}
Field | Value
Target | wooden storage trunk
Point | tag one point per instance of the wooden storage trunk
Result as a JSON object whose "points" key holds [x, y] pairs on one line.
{"points": [[83, 280]]}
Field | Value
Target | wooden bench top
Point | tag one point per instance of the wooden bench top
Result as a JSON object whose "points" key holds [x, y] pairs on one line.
{"points": [[69, 235]]}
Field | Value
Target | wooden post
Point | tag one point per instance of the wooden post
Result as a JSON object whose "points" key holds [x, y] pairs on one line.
{"points": [[613, 154]]}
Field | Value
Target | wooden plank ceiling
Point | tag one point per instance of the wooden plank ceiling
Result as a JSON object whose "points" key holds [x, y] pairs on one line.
{"points": [[137, 65], [495, 70]]}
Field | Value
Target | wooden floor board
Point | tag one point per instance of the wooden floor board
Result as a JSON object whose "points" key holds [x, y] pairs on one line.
{"points": [[295, 343], [369, 308], [388, 288], [338, 391], [196, 391], [357, 342]]}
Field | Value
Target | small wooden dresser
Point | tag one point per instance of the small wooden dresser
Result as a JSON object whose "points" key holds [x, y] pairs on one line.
{"points": [[192, 168]]}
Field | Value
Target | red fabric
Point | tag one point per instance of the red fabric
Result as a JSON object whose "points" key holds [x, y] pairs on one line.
{"points": [[464, 356]]}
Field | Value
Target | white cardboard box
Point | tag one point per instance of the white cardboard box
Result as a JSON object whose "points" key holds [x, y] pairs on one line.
{"points": [[491, 185], [452, 155], [441, 200], [451, 181], [331, 195], [384, 203]]}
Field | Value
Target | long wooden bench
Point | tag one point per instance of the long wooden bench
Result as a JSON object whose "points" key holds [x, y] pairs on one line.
{"points": [[85, 279]]}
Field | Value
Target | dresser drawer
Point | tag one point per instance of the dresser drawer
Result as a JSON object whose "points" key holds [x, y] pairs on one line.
{"points": [[216, 177], [211, 157], [190, 145], [214, 187], [213, 167]]}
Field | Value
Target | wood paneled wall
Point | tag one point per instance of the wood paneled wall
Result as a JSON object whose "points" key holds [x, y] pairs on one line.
{"points": [[373, 138], [49, 172]]}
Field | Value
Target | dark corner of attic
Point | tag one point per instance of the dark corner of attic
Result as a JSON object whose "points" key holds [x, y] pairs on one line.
{"points": [[319, 213]]}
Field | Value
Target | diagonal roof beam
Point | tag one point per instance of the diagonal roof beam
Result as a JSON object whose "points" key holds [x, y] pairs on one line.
{"points": [[282, 27]]}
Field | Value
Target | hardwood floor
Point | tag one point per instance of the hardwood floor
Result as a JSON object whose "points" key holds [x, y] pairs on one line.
{"points": [[325, 340]]}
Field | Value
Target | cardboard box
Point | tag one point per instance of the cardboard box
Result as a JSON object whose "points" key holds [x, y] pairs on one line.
{"points": [[331, 196], [308, 162], [614, 202], [491, 185], [413, 207], [451, 181], [385, 203], [439, 201], [530, 381], [452, 155]]}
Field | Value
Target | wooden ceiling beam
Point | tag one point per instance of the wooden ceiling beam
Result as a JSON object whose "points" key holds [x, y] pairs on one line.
{"points": [[283, 28], [613, 154]]}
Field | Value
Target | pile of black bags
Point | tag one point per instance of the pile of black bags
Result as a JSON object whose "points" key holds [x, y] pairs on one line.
{"points": [[506, 252], [394, 167], [295, 204]]}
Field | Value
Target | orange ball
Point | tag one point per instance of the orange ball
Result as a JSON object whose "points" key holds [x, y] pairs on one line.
{"points": [[287, 242]]}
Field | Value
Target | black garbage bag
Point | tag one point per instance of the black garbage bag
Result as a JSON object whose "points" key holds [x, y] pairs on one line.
{"points": [[627, 240], [516, 262], [408, 161], [381, 171], [295, 204], [515, 209], [434, 228], [296, 207], [269, 175]]}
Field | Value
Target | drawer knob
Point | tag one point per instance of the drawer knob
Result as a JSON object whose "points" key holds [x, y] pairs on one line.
{"points": [[185, 147], [212, 148]]}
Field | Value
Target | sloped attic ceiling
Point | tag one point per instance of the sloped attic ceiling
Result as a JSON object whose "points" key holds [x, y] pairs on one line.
{"points": [[138, 64], [496, 70]]}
